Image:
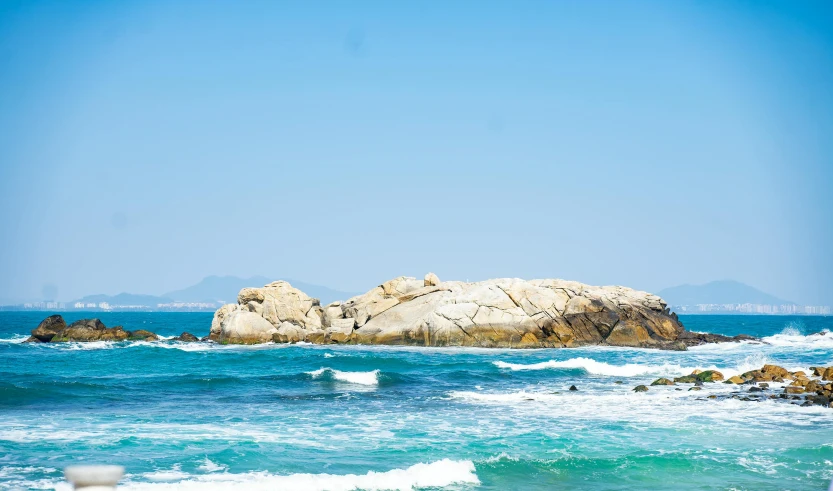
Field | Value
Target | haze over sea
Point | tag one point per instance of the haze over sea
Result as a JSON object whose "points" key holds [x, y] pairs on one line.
{"points": [[207, 416]]}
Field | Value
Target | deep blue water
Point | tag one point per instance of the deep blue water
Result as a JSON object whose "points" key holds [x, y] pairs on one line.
{"points": [[205, 416]]}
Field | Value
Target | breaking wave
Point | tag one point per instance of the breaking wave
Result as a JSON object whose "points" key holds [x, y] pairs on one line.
{"points": [[439, 474], [792, 337], [363, 378], [600, 368], [16, 339]]}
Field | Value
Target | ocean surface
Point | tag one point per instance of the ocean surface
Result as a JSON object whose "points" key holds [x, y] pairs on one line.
{"points": [[203, 416]]}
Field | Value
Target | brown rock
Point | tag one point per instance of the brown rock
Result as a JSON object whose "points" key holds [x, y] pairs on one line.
{"points": [[813, 386], [186, 337], [776, 371], [86, 330], [793, 389], [710, 376], [640, 388], [48, 327], [662, 381], [142, 335], [757, 376], [735, 379], [686, 379]]}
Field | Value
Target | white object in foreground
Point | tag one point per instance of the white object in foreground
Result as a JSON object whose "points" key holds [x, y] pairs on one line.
{"points": [[94, 477]]}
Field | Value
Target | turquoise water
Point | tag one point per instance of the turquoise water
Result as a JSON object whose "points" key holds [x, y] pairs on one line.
{"points": [[204, 416]]}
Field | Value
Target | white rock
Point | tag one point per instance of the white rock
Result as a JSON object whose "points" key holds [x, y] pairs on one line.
{"points": [[431, 280], [244, 327]]}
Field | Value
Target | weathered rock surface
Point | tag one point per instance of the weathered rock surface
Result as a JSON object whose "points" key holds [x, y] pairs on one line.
{"points": [[245, 327], [186, 337], [504, 312], [47, 329], [55, 330], [663, 381], [85, 330], [142, 335]]}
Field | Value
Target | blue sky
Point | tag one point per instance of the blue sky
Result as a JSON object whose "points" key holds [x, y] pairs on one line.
{"points": [[145, 145]]}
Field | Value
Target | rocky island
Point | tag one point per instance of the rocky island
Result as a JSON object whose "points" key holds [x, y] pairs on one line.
{"points": [[499, 313]]}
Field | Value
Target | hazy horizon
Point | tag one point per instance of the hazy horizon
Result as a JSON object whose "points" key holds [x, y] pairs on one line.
{"points": [[147, 145]]}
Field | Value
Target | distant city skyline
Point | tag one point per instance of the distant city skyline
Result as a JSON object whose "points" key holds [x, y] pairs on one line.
{"points": [[146, 145], [710, 298]]}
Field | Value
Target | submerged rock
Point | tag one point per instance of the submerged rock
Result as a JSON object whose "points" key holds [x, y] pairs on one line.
{"points": [[640, 388], [505, 312], [186, 337], [689, 338], [142, 335]]}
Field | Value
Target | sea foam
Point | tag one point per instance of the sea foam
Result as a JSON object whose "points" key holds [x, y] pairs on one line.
{"points": [[792, 337], [439, 474], [362, 378], [601, 368], [16, 339]]}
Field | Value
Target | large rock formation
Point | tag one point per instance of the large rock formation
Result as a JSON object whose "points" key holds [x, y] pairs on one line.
{"points": [[508, 312]]}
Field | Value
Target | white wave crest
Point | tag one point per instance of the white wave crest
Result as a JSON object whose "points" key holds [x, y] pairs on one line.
{"points": [[791, 337], [601, 368], [363, 378], [439, 474], [210, 466], [751, 362], [174, 474], [16, 339]]}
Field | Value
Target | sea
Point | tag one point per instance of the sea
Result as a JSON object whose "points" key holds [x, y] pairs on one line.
{"points": [[203, 416]]}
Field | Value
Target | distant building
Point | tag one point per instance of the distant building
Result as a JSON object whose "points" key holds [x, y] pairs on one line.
{"points": [[104, 306], [753, 308], [79, 305]]}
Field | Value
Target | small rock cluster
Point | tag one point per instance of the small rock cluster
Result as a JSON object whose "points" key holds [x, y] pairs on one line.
{"points": [[54, 329], [801, 388]]}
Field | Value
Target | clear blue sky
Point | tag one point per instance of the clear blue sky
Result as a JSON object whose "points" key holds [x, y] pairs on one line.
{"points": [[145, 145]]}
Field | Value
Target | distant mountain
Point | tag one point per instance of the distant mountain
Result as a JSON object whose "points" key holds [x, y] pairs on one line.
{"points": [[125, 299], [718, 292], [225, 289]]}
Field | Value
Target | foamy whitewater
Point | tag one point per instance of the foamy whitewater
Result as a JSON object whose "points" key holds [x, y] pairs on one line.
{"points": [[197, 416]]}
